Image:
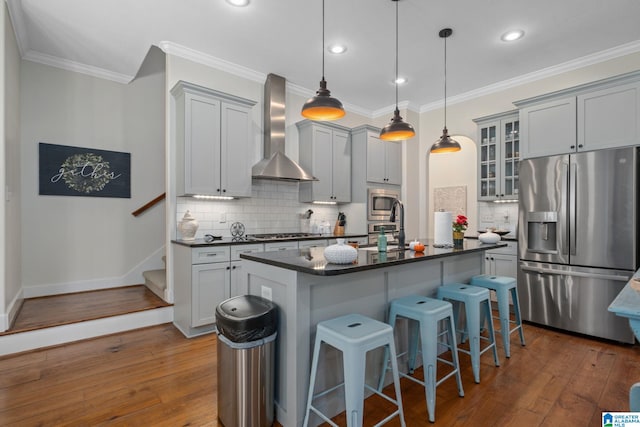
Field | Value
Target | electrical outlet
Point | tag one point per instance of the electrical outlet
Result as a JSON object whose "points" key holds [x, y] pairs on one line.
{"points": [[223, 217], [266, 293], [487, 218]]}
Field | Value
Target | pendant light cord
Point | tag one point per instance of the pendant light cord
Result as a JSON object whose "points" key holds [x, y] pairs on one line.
{"points": [[396, 82], [445, 81], [322, 39]]}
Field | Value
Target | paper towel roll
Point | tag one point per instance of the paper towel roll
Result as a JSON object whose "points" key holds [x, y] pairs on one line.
{"points": [[442, 231]]}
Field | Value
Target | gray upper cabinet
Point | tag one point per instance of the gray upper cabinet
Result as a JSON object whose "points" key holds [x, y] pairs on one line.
{"points": [[498, 156], [383, 158], [213, 137], [325, 151], [598, 115]]}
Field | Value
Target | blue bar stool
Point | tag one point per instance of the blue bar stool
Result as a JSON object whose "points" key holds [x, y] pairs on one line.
{"points": [[474, 298], [354, 335], [503, 286], [428, 313]]}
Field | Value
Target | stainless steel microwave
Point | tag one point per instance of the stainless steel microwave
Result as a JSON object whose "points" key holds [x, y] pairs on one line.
{"points": [[379, 203]]}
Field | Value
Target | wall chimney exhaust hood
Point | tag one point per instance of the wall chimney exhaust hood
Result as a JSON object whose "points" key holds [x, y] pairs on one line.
{"points": [[276, 165]]}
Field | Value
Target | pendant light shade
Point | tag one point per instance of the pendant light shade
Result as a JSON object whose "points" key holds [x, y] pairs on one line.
{"points": [[323, 107], [445, 144], [397, 129]]}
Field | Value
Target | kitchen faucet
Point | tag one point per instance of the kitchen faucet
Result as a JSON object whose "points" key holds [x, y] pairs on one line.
{"points": [[395, 205]]}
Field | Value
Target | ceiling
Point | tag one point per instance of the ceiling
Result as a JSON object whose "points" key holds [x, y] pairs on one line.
{"points": [[110, 38]]}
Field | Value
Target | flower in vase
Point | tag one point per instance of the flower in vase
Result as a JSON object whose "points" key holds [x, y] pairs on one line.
{"points": [[460, 224]]}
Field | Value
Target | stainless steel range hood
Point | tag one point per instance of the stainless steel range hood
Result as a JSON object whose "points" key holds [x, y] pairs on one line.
{"points": [[276, 165]]}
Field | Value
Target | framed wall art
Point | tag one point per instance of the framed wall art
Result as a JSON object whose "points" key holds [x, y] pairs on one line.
{"points": [[78, 171]]}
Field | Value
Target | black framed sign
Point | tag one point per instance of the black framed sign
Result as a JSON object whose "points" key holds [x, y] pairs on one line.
{"points": [[78, 171]]}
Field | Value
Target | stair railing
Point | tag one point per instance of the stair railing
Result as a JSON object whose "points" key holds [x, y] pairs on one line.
{"points": [[149, 205]]}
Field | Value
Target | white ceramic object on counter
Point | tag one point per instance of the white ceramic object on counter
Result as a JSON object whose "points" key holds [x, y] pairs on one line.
{"points": [[489, 237], [340, 253], [188, 226]]}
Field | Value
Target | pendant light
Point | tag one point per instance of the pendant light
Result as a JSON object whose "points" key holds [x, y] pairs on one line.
{"points": [[397, 129], [445, 144], [323, 106]]}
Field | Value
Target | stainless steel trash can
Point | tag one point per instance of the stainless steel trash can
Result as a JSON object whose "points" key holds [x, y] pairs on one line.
{"points": [[247, 328]]}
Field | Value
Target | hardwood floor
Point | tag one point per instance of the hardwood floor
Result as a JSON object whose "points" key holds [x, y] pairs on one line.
{"points": [[155, 376], [57, 310]]}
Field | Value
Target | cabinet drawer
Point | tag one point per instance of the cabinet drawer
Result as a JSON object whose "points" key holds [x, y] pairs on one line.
{"points": [[280, 246], [510, 249], [210, 254], [245, 249]]}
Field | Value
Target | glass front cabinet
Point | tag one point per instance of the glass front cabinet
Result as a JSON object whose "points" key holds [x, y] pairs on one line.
{"points": [[498, 156]]}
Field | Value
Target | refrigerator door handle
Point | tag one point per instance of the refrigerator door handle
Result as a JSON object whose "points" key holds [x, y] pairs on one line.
{"points": [[564, 237], [542, 270], [573, 203]]}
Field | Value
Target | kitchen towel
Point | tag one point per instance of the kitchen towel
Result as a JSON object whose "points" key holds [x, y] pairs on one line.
{"points": [[442, 231]]}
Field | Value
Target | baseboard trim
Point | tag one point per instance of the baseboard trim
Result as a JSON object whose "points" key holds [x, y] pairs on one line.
{"points": [[47, 337]]}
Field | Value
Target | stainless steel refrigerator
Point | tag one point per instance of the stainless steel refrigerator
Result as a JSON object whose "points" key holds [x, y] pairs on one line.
{"points": [[577, 239]]}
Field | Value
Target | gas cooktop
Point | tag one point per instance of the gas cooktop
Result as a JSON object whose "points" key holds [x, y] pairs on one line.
{"points": [[279, 236]]}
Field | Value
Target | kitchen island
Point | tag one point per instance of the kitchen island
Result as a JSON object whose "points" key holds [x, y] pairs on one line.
{"points": [[309, 290]]}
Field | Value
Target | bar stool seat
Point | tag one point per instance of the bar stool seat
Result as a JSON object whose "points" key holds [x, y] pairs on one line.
{"points": [[354, 335], [503, 286], [475, 299], [428, 313]]}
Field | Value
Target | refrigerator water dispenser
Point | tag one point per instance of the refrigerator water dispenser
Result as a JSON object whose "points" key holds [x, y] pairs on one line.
{"points": [[541, 232]]}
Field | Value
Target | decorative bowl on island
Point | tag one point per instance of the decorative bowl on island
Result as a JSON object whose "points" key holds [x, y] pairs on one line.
{"points": [[340, 253]]}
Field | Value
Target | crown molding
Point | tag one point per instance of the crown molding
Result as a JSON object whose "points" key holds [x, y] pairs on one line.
{"points": [[77, 67], [595, 58]]}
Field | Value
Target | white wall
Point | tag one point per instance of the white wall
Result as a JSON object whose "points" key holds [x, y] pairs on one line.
{"points": [[11, 240], [72, 243], [459, 122]]}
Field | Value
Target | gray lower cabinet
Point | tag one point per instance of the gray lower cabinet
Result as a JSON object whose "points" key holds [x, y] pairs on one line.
{"points": [[594, 116], [502, 261], [203, 277]]}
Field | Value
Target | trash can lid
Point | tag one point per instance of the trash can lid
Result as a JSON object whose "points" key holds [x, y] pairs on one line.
{"points": [[246, 318]]}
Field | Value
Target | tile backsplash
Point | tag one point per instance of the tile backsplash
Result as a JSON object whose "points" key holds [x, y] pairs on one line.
{"points": [[272, 208], [503, 216]]}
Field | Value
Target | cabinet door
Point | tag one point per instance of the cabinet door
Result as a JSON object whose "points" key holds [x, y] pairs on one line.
{"points": [[549, 128], [488, 164], [393, 164], [210, 286], [236, 161], [376, 159], [322, 156], [280, 246], [609, 118], [202, 145], [239, 280], [509, 158], [341, 165]]}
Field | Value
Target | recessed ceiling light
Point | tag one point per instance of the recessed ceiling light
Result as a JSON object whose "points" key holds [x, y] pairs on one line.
{"points": [[337, 48], [238, 3], [512, 35], [401, 80]]}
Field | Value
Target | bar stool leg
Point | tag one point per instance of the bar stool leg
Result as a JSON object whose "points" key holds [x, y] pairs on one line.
{"points": [[472, 312], [454, 354], [430, 364], [516, 308], [396, 379], [312, 379], [492, 334], [503, 313], [354, 368]]}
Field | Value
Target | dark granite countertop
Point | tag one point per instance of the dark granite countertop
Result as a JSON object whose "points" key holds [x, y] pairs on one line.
{"points": [[241, 241], [507, 237], [312, 261]]}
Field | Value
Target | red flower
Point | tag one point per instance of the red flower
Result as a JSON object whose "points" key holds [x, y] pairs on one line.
{"points": [[461, 223]]}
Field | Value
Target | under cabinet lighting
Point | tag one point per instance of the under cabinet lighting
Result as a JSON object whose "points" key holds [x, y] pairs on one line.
{"points": [[320, 202], [337, 49], [207, 197], [238, 3], [506, 201]]}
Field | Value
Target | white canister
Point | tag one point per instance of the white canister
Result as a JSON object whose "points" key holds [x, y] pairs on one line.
{"points": [[188, 226], [489, 237]]}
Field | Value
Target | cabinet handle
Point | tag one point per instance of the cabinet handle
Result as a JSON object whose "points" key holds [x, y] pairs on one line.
{"points": [[217, 190], [212, 254], [224, 191], [579, 145], [572, 147], [228, 268], [233, 268]]}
